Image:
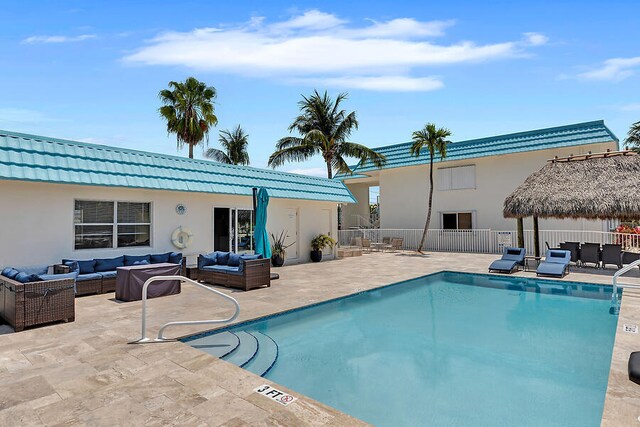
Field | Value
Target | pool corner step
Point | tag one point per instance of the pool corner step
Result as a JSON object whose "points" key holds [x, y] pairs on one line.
{"points": [[218, 345], [266, 356], [245, 351]]}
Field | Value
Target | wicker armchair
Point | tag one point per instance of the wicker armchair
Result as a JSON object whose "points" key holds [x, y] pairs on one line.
{"points": [[35, 303], [255, 273]]}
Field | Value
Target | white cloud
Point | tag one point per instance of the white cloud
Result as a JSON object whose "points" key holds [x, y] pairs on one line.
{"points": [[322, 48], [320, 172], [58, 39], [382, 83], [615, 69], [536, 39]]}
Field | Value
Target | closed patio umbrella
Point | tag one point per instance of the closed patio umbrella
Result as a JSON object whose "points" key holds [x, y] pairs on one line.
{"points": [[263, 246]]}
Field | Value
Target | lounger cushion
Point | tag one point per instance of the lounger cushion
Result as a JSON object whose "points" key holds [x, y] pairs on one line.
{"points": [[88, 276], [109, 264], [160, 258], [108, 274], [132, 259], [503, 265], [207, 260], [23, 277], [222, 258], [86, 266], [551, 268], [10, 273], [175, 258]]}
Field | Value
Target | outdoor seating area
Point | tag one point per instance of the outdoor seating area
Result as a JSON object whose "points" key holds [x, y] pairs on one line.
{"points": [[599, 256], [239, 271], [365, 245]]}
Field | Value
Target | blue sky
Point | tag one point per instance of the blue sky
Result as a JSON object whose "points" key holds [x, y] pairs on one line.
{"points": [[91, 71]]}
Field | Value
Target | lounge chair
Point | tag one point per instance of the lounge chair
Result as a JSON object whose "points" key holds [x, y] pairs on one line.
{"points": [[590, 253], [556, 263], [612, 254], [512, 258]]}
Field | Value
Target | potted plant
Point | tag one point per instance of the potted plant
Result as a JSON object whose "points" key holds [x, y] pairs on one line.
{"points": [[318, 243], [278, 248]]}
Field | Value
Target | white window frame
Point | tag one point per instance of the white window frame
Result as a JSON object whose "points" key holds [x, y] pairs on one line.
{"points": [[234, 218], [114, 225], [473, 220], [449, 170]]}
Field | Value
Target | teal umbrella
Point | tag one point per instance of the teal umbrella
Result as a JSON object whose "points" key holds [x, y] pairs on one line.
{"points": [[263, 247]]}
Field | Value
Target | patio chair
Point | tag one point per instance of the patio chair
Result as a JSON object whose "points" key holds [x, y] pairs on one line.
{"points": [[366, 245], [512, 258], [556, 263], [574, 248], [395, 245], [612, 254], [356, 242], [590, 253], [386, 240]]}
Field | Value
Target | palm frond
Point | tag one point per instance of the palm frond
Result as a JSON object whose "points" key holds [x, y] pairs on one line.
{"points": [[218, 156]]}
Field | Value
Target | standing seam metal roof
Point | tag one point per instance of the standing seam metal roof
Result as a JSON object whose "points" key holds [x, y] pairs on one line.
{"points": [[398, 155], [37, 158]]}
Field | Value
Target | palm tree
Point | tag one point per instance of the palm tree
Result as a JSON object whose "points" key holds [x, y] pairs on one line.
{"points": [[633, 136], [188, 110], [435, 141], [324, 129], [235, 147]]}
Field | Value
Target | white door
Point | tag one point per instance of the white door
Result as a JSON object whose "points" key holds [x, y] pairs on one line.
{"points": [[325, 228], [291, 227]]}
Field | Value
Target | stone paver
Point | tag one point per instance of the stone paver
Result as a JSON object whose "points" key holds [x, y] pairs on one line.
{"points": [[86, 373]]}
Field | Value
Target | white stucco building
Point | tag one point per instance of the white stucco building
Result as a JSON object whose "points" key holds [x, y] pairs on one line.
{"points": [[472, 182], [67, 199]]}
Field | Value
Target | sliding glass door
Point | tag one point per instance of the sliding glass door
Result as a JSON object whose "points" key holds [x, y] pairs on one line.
{"points": [[233, 230]]}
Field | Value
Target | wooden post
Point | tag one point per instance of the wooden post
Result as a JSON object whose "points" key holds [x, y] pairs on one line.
{"points": [[520, 232], [536, 238]]}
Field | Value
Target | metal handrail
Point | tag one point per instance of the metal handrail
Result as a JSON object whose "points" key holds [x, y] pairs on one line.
{"points": [[161, 337], [614, 281]]}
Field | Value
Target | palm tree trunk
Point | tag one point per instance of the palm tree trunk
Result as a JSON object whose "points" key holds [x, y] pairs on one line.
{"points": [[191, 151], [329, 170], [426, 225]]}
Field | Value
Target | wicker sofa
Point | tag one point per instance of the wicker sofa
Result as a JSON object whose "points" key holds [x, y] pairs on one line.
{"points": [[98, 276], [35, 303], [234, 271]]}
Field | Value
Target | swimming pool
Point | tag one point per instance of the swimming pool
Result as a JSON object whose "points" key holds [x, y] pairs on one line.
{"points": [[446, 349]]}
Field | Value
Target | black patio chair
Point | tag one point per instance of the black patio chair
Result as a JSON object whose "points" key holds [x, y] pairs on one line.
{"points": [[574, 248], [590, 253], [612, 254]]}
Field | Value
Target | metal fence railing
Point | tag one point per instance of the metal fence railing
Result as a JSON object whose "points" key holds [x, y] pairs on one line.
{"points": [[485, 240]]}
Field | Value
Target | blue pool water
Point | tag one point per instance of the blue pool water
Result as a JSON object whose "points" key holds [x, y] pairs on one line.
{"points": [[450, 349]]}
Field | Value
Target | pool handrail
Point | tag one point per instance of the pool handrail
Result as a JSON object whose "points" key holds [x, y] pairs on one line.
{"points": [[614, 281], [161, 338]]}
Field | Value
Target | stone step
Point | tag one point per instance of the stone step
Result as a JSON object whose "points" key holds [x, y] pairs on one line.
{"points": [[218, 345]]}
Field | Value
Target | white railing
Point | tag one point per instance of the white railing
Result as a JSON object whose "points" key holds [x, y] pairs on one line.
{"points": [[161, 338], [358, 221], [614, 297], [487, 241]]}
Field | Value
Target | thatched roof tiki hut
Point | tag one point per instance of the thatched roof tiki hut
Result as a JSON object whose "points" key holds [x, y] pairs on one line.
{"points": [[592, 186]]}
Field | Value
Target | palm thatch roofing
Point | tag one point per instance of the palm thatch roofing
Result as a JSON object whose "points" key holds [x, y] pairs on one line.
{"points": [[594, 186]]}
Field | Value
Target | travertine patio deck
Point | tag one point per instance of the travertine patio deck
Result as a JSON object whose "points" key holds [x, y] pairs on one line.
{"points": [[85, 373]]}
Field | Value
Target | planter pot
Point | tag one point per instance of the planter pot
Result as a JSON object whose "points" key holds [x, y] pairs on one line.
{"points": [[277, 260], [316, 256]]}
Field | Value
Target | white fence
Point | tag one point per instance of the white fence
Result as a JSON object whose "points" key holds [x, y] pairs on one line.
{"points": [[486, 241]]}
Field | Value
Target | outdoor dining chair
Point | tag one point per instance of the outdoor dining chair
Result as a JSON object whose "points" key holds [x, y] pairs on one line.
{"points": [[590, 253], [366, 245], [612, 254], [574, 248]]}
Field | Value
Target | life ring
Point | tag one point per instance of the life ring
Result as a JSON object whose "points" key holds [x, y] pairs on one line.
{"points": [[181, 237]]}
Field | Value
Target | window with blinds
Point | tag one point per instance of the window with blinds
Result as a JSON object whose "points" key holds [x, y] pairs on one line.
{"points": [[102, 224], [457, 178]]}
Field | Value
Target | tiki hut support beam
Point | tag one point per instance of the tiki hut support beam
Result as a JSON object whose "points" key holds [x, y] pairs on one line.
{"points": [[520, 232], [536, 238]]}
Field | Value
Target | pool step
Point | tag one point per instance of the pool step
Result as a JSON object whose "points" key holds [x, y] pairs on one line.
{"points": [[266, 356], [245, 351], [218, 345]]}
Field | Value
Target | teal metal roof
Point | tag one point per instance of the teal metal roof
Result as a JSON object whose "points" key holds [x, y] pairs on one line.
{"points": [[37, 158], [542, 139]]}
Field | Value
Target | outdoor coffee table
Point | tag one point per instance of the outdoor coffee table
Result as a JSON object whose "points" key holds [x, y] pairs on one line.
{"points": [[377, 247], [130, 280]]}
